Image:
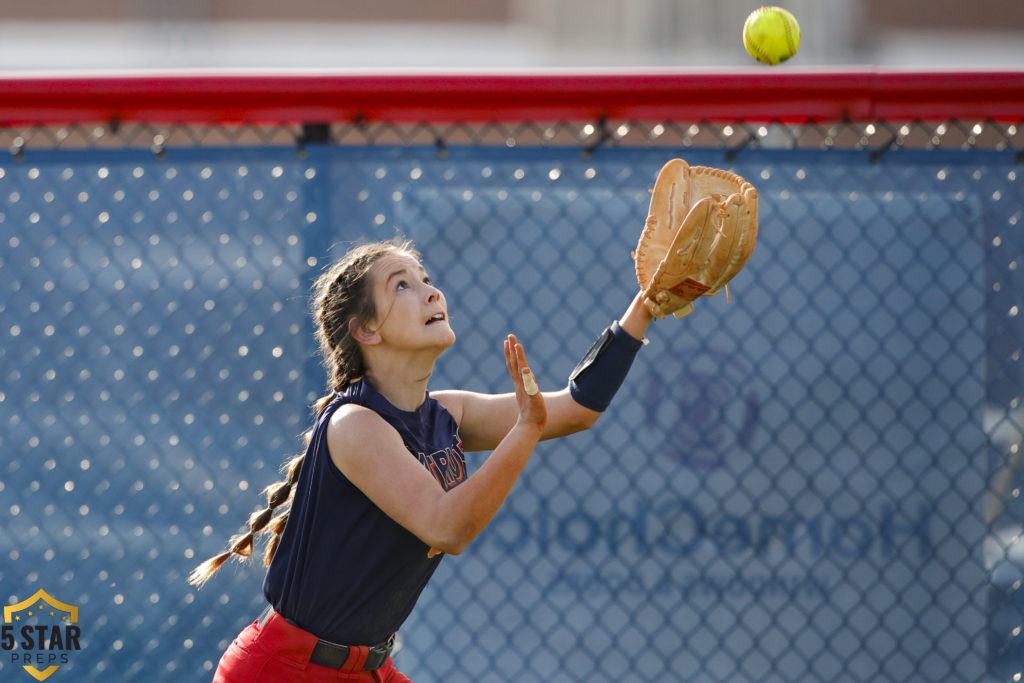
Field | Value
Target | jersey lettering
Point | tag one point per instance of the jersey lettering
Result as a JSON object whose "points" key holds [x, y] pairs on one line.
{"points": [[448, 465]]}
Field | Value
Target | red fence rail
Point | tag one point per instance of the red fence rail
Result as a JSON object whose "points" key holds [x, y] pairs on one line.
{"points": [[783, 95]]}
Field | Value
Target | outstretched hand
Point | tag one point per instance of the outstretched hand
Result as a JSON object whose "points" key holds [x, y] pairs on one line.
{"points": [[532, 409], [533, 413]]}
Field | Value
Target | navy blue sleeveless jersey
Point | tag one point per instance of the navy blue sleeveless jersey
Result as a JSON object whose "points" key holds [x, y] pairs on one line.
{"points": [[344, 570]]}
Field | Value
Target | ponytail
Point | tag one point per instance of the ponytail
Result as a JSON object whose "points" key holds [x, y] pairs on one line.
{"points": [[340, 294]]}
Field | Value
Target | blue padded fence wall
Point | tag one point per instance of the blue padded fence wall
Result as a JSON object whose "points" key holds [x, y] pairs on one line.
{"points": [[818, 481]]}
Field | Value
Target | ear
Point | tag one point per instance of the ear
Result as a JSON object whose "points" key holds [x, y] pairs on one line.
{"points": [[362, 332]]}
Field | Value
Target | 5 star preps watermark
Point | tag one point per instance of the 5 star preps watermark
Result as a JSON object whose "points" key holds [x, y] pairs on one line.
{"points": [[40, 633]]}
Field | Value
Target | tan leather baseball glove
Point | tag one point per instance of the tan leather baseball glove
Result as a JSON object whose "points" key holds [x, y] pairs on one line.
{"points": [[700, 231]]}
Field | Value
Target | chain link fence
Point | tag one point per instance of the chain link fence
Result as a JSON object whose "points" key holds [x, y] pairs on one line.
{"points": [[816, 481]]}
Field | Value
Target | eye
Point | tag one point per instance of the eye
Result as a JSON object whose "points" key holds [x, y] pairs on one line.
{"points": [[401, 284], [428, 281]]}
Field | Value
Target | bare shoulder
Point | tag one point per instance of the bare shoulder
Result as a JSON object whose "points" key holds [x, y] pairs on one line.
{"points": [[451, 400], [352, 415], [354, 429], [483, 419]]}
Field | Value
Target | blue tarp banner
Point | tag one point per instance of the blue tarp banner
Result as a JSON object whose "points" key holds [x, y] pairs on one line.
{"points": [[817, 480]]}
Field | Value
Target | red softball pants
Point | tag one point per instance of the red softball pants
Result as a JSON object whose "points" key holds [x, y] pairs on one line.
{"points": [[279, 652]]}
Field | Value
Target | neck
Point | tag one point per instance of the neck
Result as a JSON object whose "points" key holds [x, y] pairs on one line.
{"points": [[402, 380]]}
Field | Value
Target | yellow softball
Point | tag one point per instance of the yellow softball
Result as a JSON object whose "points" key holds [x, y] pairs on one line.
{"points": [[771, 35]]}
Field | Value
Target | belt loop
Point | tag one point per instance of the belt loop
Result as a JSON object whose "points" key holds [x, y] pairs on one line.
{"points": [[265, 615], [357, 655]]}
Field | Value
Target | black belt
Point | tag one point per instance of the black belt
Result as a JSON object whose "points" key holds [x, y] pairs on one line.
{"points": [[336, 656]]}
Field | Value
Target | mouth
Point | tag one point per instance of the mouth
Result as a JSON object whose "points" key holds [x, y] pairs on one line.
{"points": [[436, 318]]}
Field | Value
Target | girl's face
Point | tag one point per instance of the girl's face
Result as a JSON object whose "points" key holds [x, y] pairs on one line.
{"points": [[411, 312]]}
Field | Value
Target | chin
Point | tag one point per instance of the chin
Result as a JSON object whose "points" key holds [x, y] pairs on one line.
{"points": [[450, 339], [442, 338]]}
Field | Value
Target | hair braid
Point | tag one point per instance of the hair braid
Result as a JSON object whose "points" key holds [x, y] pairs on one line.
{"points": [[340, 294], [260, 521]]}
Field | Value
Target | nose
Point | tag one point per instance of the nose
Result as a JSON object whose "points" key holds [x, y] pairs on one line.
{"points": [[433, 294]]}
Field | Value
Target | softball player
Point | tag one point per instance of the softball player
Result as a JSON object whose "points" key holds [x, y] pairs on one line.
{"points": [[358, 526]]}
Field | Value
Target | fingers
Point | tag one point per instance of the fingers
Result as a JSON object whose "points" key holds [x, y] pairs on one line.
{"points": [[512, 357], [508, 357], [518, 367]]}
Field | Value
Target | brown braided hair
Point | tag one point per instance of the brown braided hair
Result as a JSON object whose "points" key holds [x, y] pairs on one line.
{"points": [[342, 292]]}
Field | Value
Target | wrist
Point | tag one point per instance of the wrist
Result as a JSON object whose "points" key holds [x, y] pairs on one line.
{"points": [[637, 318], [528, 429]]}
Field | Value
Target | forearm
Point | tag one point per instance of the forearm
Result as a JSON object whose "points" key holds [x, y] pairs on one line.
{"points": [[599, 374], [469, 507]]}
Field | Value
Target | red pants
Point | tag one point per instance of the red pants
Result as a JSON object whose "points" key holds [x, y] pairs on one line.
{"points": [[278, 652]]}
